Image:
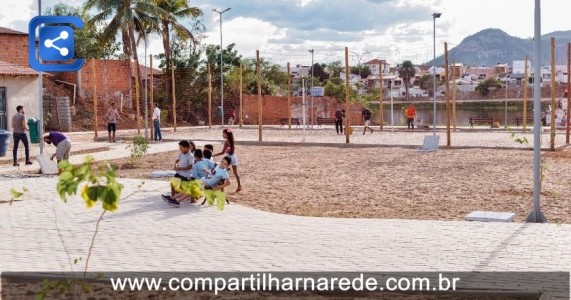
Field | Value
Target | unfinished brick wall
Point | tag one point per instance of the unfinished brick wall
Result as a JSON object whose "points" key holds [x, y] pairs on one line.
{"points": [[276, 108], [14, 48]]}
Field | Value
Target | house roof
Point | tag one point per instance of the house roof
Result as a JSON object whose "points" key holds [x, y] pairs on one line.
{"points": [[4, 30], [375, 61], [8, 69]]}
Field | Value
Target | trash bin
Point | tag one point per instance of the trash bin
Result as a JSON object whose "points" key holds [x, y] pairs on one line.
{"points": [[4, 141], [34, 130]]}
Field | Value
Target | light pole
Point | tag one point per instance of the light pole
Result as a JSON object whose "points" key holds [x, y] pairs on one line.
{"points": [[359, 61], [221, 65], [41, 92], [146, 87], [434, 17], [506, 104], [311, 90]]}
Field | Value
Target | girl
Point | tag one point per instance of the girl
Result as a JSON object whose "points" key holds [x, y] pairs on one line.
{"points": [[192, 147], [229, 151]]}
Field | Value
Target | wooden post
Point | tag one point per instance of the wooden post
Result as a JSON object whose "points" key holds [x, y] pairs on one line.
{"points": [[173, 96], [347, 92], [152, 98], [454, 94], [137, 99], [568, 92], [259, 70], [525, 82], [381, 111], [209, 98], [94, 97], [553, 86], [288, 98], [446, 75], [241, 110]]}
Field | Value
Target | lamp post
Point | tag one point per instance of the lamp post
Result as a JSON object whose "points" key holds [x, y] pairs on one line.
{"points": [[311, 90], [359, 61], [434, 17], [221, 65], [506, 104], [40, 92], [146, 87]]}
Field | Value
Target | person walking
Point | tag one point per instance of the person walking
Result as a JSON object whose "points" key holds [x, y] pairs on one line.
{"points": [[339, 115], [367, 120], [157, 123], [410, 114], [112, 117], [20, 127], [62, 144]]}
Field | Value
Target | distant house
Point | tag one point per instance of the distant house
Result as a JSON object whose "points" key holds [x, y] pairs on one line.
{"points": [[14, 46], [374, 66], [480, 73], [299, 71], [19, 85]]}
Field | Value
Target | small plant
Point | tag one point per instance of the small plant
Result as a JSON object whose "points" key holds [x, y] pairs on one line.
{"points": [[16, 195], [139, 146], [195, 190]]}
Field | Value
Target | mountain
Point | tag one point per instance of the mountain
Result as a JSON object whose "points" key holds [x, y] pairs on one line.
{"points": [[491, 46]]}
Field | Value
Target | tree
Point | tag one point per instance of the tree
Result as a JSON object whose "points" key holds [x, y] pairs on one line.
{"points": [[318, 71], [365, 71], [426, 82], [484, 87], [335, 68], [87, 40], [406, 71]]}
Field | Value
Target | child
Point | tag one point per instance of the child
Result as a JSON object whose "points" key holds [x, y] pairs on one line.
{"points": [[210, 181], [211, 148], [207, 153], [192, 147], [201, 167], [228, 151], [183, 164]]}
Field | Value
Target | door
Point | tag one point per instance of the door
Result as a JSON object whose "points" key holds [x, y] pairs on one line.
{"points": [[3, 114]]}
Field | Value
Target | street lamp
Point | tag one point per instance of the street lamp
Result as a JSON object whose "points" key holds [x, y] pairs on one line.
{"points": [[221, 65], [434, 17], [146, 88], [311, 90], [359, 60]]}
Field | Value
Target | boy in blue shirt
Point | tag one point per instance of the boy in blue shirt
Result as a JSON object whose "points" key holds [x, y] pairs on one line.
{"points": [[183, 164]]}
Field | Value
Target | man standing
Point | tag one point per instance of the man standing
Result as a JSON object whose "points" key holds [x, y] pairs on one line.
{"points": [[410, 114], [339, 114], [112, 117], [62, 144], [157, 123], [367, 120], [20, 127]]}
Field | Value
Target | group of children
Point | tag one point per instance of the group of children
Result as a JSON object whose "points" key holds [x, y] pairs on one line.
{"points": [[193, 164]]}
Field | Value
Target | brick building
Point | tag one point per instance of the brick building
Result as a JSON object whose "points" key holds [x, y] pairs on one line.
{"points": [[14, 47]]}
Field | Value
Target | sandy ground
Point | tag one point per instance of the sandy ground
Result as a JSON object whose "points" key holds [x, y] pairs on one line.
{"points": [[389, 182]]}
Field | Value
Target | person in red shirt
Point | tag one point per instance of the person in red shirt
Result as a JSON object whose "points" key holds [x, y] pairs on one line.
{"points": [[410, 114]]}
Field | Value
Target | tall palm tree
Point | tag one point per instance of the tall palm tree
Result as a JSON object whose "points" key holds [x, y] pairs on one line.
{"points": [[175, 10], [406, 72], [126, 17]]}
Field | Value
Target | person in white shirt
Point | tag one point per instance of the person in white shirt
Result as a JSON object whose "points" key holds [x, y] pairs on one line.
{"points": [[157, 123]]}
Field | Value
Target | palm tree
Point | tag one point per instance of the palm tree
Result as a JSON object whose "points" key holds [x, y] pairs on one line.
{"points": [[406, 72], [126, 17]]}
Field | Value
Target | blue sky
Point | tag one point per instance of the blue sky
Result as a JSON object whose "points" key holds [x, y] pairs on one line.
{"points": [[284, 30]]}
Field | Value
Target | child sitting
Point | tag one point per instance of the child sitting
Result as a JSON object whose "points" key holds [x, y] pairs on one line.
{"points": [[211, 148], [208, 159], [216, 180], [183, 164]]}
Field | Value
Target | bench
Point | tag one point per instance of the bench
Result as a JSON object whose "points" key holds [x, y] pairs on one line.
{"points": [[284, 121], [325, 121], [481, 120], [519, 120]]}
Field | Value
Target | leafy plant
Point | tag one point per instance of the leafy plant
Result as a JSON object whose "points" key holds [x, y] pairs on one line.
{"points": [[16, 195], [484, 86], [139, 146], [195, 190]]}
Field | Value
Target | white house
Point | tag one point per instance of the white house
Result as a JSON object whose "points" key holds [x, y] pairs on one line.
{"points": [[374, 66], [19, 85]]}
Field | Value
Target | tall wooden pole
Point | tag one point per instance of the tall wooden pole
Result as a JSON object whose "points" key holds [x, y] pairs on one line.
{"points": [[553, 86], [347, 92], [173, 97], [94, 96], [568, 92], [137, 98], [241, 110], [446, 74], [525, 83], [259, 70], [152, 98], [209, 98], [381, 111], [288, 98], [454, 94]]}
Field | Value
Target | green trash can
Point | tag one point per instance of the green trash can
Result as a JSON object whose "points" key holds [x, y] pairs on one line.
{"points": [[34, 130]]}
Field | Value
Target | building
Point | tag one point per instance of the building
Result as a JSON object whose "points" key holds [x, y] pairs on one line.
{"points": [[14, 47], [19, 85], [374, 66]]}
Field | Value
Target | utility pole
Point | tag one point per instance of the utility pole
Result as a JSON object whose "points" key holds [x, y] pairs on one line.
{"points": [[311, 90], [221, 65]]}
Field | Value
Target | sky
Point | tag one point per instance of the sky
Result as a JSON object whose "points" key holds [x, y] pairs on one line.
{"points": [[395, 30]]}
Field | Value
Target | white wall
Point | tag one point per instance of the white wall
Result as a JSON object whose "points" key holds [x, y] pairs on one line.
{"points": [[23, 91]]}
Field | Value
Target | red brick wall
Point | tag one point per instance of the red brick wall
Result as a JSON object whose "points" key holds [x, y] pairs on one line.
{"points": [[275, 107], [14, 49]]}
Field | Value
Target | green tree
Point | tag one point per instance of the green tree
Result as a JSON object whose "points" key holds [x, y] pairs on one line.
{"points": [[365, 70], [318, 71], [483, 88], [335, 68], [406, 71], [426, 82], [88, 42]]}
